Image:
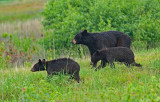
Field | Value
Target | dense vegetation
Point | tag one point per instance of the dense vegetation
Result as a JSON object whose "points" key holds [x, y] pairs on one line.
{"points": [[23, 41], [138, 18]]}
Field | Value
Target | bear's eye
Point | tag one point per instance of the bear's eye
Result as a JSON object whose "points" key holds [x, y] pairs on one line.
{"points": [[78, 37]]}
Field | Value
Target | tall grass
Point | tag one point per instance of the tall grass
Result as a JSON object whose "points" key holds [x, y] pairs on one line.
{"points": [[119, 84], [28, 27]]}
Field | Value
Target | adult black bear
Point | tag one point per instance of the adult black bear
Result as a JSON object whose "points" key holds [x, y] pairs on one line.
{"points": [[63, 65], [97, 41], [109, 55]]}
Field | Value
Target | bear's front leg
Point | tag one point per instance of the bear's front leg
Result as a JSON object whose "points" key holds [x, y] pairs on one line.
{"points": [[93, 65]]}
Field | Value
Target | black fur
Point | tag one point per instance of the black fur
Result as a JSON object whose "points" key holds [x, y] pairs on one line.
{"points": [[109, 55], [98, 41], [63, 65]]}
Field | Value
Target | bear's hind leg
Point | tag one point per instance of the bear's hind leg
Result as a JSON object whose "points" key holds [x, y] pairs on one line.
{"points": [[127, 64], [76, 76], [112, 65]]}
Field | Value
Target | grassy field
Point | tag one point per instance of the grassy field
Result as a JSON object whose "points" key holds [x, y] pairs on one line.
{"points": [[20, 10], [21, 32], [20, 25], [119, 84]]}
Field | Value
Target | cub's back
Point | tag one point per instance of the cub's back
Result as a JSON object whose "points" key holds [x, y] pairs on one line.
{"points": [[118, 51], [63, 63]]}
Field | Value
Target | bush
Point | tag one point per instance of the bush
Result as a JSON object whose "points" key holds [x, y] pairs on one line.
{"points": [[17, 50], [137, 18]]}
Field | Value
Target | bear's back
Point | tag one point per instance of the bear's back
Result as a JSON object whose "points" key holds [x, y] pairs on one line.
{"points": [[118, 52], [62, 63]]}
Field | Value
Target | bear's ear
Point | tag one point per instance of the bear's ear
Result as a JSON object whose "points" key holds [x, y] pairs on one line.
{"points": [[97, 52], [39, 61], [84, 32], [43, 61]]}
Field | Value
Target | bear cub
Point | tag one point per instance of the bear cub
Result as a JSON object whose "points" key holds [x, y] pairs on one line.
{"points": [[63, 65], [109, 55]]}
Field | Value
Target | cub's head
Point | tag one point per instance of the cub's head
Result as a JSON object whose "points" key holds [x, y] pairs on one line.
{"points": [[95, 58], [39, 66], [79, 38]]}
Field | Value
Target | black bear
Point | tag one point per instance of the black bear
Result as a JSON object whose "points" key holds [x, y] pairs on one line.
{"points": [[97, 41], [63, 65], [109, 55]]}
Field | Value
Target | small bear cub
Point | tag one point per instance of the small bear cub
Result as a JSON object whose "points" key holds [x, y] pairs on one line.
{"points": [[109, 55], [63, 65]]}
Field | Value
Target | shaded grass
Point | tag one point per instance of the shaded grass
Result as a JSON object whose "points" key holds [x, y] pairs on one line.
{"points": [[119, 84]]}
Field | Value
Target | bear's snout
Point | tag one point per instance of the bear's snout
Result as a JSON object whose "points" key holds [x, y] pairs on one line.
{"points": [[32, 70], [73, 41], [91, 63]]}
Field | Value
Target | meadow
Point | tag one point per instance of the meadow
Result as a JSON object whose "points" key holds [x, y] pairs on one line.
{"points": [[27, 33], [120, 84]]}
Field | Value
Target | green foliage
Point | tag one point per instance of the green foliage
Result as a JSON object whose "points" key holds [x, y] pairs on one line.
{"points": [[4, 60], [27, 64], [17, 50], [4, 35], [49, 42], [23, 44], [2, 48], [138, 18]]}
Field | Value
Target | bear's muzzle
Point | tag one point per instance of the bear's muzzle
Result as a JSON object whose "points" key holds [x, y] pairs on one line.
{"points": [[91, 63], [73, 41], [32, 70]]}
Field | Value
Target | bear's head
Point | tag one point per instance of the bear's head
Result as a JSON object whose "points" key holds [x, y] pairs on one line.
{"points": [[39, 66], [95, 58], [80, 37]]}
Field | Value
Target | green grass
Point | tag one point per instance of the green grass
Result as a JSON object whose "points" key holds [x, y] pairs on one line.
{"points": [[119, 84], [20, 16], [20, 84]]}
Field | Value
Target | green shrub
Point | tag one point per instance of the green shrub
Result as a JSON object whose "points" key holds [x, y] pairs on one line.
{"points": [[4, 60], [137, 18]]}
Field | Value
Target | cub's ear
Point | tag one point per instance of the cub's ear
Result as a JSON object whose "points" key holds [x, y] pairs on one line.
{"points": [[84, 32], [39, 61], [43, 61], [98, 52]]}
